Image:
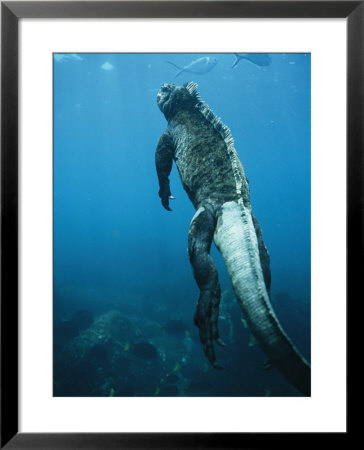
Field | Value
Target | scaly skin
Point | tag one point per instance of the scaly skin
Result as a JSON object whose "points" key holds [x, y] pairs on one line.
{"points": [[213, 177]]}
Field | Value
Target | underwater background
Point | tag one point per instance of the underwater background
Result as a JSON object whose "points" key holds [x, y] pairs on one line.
{"points": [[124, 292]]}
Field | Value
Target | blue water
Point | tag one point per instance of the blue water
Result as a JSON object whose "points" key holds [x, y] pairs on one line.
{"points": [[117, 251]]}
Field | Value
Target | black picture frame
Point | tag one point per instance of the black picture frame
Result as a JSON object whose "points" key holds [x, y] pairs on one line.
{"points": [[11, 12]]}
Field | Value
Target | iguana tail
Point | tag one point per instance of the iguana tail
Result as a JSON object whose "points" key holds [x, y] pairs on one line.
{"points": [[236, 239]]}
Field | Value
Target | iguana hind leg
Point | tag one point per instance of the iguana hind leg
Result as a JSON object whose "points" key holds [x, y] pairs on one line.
{"points": [[204, 270]]}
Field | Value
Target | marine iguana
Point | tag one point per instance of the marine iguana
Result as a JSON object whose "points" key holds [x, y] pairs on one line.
{"points": [[213, 177]]}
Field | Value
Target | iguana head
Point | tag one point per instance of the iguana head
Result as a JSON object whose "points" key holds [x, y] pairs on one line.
{"points": [[172, 98]]}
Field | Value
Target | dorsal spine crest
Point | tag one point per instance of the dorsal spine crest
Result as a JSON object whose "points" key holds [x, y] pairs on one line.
{"points": [[222, 129]]}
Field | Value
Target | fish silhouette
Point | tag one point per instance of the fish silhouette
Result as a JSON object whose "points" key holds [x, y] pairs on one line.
{"points": [[259, 59], [199, 66]]}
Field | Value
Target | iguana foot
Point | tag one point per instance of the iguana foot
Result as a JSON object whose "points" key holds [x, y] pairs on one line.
{"points": [[206, 318]]}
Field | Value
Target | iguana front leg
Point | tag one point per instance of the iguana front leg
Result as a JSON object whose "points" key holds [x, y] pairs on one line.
{"points": [[207, 311], [163, 161]]}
